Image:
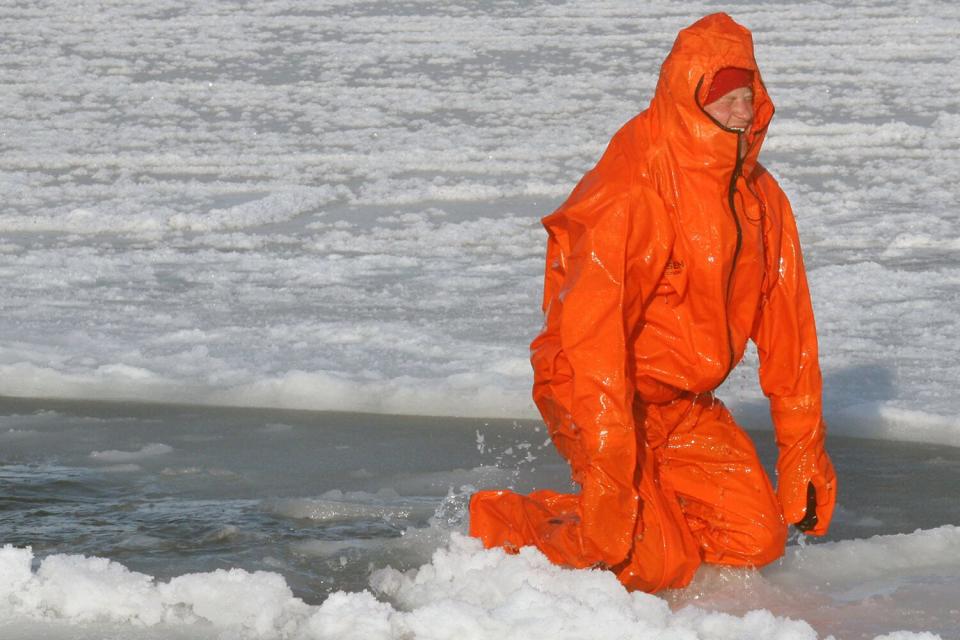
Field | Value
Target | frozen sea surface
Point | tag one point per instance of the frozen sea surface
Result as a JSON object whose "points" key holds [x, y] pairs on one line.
{"points": [[168, 521], [334, 206]]}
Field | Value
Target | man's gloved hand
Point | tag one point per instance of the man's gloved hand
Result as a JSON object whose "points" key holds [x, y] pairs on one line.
{"points": [[809, 521], [807, 488]]}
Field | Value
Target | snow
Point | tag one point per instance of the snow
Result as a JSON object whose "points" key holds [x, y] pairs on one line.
{"points": [[471, 593], [335, 207], [305, 208]]}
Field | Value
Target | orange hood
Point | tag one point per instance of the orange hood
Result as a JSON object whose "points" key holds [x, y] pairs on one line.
{"points": [[694, 140]]}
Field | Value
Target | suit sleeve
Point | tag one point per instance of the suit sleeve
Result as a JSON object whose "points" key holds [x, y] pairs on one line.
{"points": [[786, 339], [583, 384]]}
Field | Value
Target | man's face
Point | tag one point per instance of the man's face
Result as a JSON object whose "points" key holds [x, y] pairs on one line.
{"points": [[734, 111]]}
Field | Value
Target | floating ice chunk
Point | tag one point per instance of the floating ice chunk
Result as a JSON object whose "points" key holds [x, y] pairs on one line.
{"points": [[146, 451]]}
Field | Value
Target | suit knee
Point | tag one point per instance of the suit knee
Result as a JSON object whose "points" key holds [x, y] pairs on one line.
{"points": [[766, 543], [755, 545], [773, 544]]}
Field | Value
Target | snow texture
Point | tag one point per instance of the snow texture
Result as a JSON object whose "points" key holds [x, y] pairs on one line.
{"points": [[336, 206]]}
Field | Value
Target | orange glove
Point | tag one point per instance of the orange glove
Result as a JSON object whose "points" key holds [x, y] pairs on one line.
{"points": [[806, 478]]}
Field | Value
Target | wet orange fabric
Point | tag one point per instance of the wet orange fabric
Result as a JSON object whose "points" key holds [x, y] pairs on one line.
{"points": [[665, 260]]}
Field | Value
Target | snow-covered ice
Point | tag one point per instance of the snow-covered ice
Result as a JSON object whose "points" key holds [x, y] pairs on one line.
{"points": [[334, 206], [292, 206], [471, 593]]}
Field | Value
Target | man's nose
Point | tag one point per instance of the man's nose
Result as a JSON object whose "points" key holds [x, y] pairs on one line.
{"points": [[743, 109]]}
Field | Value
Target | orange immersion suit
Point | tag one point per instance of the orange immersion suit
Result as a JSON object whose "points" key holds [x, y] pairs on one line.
{"points": [[667, 257]]}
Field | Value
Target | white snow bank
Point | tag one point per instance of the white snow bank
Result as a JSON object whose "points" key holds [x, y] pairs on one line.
{"points": [[465, 593], [855, 562], [482, 394], [81, 589], [469, 593], [885, 421]]}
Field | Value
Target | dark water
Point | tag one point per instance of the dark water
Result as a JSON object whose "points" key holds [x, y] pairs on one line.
{"points": [[323, 498]]}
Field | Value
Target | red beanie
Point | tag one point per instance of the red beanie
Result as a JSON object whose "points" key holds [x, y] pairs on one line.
{"points": [[726, 80]]}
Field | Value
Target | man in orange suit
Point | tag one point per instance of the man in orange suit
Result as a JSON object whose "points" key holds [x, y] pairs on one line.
{"points": [[672, 252]]}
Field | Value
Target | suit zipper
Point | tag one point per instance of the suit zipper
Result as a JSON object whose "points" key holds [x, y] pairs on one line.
{"points": [[731, 191]]}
